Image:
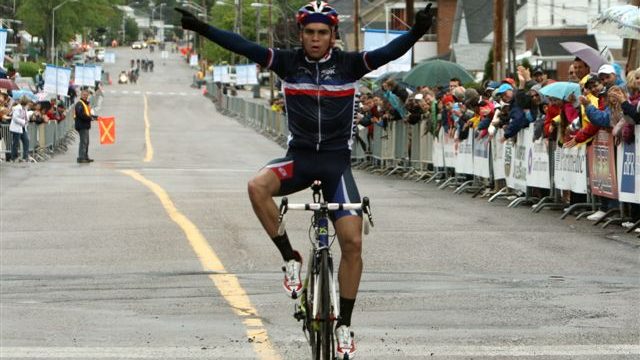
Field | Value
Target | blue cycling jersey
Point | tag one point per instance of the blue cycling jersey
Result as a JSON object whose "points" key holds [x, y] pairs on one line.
{"points": [[319, 94]]}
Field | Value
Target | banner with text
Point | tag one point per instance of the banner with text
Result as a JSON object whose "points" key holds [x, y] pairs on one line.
{"points": [[538, 166], [497, 156], [438, 150], [628, 165], [570, 169], [481, 154], [602, 166]]}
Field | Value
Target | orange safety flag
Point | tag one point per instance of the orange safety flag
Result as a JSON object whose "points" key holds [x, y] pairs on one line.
{"points": [[107, 130]]}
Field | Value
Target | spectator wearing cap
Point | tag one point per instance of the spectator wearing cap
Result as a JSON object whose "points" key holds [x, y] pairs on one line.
{"points": [[608, 77], [539, 76], [580, 69], [517, 118], [446, 116]]}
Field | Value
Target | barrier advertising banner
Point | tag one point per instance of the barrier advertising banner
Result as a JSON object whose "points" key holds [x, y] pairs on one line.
{"points": [[602, 166], [438, 149], [517, 174], [448, 146], [98, 72], [497, 154], [56, 80], [628, 165], [481, 153], [538, 167], [193, 60], [570, 166]]}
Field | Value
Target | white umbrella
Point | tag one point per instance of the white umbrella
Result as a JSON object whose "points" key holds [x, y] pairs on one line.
{"points": [[621, 20]]}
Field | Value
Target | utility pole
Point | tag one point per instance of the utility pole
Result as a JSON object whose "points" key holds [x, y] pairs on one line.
{"points": [[356, 25], [498, 39], [511, 52], [408, 18]]}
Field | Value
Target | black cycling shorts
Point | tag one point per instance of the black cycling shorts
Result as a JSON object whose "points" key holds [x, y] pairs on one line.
{"points": [[300, 168]]}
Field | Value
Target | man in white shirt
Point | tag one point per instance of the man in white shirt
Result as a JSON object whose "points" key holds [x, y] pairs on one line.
{"points": [[18, 129]]}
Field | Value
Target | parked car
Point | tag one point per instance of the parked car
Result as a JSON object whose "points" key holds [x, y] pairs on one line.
{"points": [[136, 45]]}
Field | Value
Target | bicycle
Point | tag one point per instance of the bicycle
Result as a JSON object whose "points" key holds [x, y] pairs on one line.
{"points": [[319, 306]]}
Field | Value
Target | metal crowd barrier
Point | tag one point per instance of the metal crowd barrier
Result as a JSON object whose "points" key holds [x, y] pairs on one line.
{"points": [[44, 139], [521, 171]]}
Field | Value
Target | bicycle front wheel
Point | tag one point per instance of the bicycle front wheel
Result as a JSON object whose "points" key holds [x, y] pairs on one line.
{"points": [[325, 310]]}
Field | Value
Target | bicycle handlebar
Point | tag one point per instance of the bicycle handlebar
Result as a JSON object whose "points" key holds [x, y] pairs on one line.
{"points": [[364, 206], [330, 206]]}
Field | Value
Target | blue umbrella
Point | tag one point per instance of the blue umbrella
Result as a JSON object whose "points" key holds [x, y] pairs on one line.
{"points": [[17, 94], [561, 90]]}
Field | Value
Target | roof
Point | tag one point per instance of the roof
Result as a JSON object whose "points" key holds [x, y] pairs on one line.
{"points": [[549, 46], [472, 57], [479, 17]]}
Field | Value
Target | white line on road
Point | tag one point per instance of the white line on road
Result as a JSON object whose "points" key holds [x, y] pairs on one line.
{"points": [[242, 352], [126, 352], [183, 94]]}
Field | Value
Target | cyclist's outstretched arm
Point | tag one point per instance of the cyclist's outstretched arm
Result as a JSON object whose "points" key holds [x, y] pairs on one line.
{"points": [[228, 40], [400, 45]]}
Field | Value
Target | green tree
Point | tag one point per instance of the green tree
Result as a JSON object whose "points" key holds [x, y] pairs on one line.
{"points": [[488, 67], [70, 19], [131, 30]]}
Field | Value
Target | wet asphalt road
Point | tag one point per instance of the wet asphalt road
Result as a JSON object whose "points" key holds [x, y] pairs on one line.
{"points": [[94, 265]]}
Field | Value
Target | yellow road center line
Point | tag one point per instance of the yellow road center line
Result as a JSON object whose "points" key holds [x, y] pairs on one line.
{"points": [[227, 284], [147, 132]]}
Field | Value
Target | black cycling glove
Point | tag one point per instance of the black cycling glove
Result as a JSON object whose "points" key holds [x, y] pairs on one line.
{"points": [[190, 22], [424, 20]]}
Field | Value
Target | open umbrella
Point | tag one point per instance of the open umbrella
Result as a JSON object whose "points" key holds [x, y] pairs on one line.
{"points": [[8, 84], [436, 72], [17, 94], [621, 20], [585, 52], [561, 90]]}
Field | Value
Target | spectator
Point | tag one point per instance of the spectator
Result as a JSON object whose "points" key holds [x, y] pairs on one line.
{"points": [[572, 77], [516, 117], [539, 76], [608, 77], [633, 85], [454, 83], [18, 129], [580, 69]]}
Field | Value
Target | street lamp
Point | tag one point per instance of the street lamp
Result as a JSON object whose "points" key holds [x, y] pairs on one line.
{"points": [[270, 7], [53, 29]]}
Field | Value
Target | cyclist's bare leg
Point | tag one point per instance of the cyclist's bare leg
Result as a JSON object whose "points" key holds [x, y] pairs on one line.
{"points": [[349, 231], [261, 189]]}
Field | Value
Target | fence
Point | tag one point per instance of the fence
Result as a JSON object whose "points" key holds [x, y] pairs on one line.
{"points": [[44, 139], [521, 171]]}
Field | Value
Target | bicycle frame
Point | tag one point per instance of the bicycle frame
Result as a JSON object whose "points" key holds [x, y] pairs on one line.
{"points": [[325, 308]]}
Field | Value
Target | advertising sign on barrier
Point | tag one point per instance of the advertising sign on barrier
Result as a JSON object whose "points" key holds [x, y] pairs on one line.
{"points": [[498, 156], [570, 166], [517, 175], [438, 149], [448, 146], [481, 155], [538, 170], [628, 165], [464, 155], [193, 60], [98, 73], [109, 58], [602, 166]]}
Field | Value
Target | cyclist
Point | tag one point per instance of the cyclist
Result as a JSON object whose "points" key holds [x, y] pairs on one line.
{"points": [[319, 84]]}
